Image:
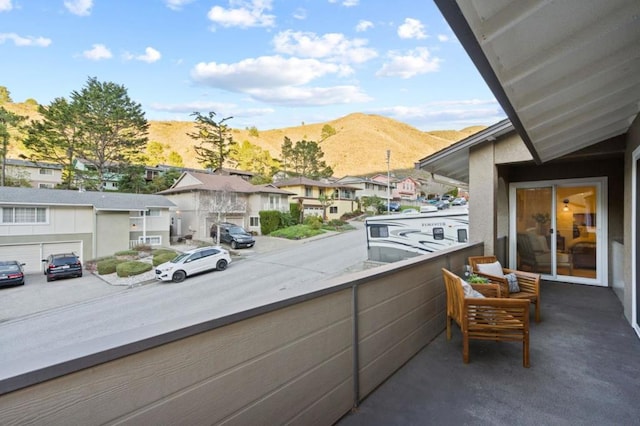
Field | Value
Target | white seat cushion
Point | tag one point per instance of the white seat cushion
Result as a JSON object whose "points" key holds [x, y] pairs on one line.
{"points": [[494, 269]]}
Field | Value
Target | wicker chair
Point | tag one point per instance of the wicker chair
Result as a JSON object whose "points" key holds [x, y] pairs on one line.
{"points": [[488, 318], [528, 282]]}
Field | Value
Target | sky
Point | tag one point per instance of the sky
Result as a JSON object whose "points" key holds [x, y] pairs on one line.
{"points": [[266, 63]]}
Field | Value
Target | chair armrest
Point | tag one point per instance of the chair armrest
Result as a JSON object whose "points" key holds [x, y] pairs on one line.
{"points": [[487, 290], [501, 281], [528, 282]]}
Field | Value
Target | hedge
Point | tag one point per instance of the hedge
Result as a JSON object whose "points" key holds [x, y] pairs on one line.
{"points": [[107, 266], [133, 267]]}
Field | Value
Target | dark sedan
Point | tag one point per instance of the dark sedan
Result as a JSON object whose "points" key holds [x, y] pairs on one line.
{"points": [[11, 273], [62, 265]]}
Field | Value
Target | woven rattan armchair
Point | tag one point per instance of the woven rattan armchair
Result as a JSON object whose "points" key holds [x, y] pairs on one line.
{"points": [[528, 282], [487, 318]]}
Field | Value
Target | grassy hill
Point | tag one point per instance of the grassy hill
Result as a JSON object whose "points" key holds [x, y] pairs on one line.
{"points": [[358, 147]]}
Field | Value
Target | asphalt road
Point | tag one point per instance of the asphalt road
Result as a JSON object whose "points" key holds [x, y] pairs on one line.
{"points": [[121, 313]]}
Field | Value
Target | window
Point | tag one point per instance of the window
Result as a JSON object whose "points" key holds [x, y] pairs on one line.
{"points": [[46, 171], [333, 209], [379, 231], [150, 212], [24, 215], [438, 233], [152, 240], [462, 236], [46, 185], [254, 221], [308, 192]]}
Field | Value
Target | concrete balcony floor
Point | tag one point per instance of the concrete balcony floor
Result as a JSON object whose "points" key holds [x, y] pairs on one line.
{"points": [[585, 370]]}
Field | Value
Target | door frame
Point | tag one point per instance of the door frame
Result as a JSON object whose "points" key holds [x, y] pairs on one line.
{"points": [[602, 266], [635, 321]]}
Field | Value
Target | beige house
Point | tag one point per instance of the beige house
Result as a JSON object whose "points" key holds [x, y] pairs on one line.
{"points": [[203, 199], [340, 198], [37, 222], [39, 174]]}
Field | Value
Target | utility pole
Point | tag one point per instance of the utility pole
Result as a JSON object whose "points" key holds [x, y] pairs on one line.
{"points": [[388, 182]]}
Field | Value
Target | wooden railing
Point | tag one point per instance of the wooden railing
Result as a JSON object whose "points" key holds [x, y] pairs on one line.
{"points": [[308, 359]]}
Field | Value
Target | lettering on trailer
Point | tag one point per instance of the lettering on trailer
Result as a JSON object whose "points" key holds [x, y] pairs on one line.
{"points": [[426, 225]]}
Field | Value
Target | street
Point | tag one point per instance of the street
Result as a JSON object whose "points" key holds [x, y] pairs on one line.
{"points": [[125, 314]]}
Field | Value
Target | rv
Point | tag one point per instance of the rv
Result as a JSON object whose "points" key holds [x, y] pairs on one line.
{"points": [[399, 236]]}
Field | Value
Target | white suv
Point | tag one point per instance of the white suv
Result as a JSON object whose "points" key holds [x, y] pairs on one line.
{"points": [[193, 262]]}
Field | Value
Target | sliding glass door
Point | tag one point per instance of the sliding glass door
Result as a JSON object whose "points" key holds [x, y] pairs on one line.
{"points": [[557, 230]]}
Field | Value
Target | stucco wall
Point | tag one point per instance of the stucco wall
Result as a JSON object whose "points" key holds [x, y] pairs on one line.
{"points": [[633, 142], [482, 202], [112, 232]]}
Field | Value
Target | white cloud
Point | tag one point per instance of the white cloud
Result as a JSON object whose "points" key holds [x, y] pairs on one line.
{"points": [[363, 25], [300, 14], [225, 109], [176, 4], [5, 5], [452, 114], [443, 38], [412, 28], [264, 72], [311, 96], [418, 61], [25, 41], [347, 3], [79, 7], [333, 46], [150, 55], [97, 53], [247, 14]]}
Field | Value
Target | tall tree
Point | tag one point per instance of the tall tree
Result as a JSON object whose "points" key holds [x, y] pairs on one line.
{"points": [[155, 153], [55, 138], [5, 96], [286, 154], [7, 120], [252, 158], [216, 144], [175, 160], [100, 125], [306, 160]]}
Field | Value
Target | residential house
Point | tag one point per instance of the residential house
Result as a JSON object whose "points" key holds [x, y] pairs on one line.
{"points": [[406, 188], [204, 199], [560, 175], [367, 187], [39, 174], [338, 197], [37, 222]]}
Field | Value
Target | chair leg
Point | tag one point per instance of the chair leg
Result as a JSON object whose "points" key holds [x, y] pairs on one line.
{"points": [[525, 351], [448, 328], [538, 309], [465, 348]]}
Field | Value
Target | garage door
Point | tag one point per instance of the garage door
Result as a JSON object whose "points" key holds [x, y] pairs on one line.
{"points": [[32, 254]]}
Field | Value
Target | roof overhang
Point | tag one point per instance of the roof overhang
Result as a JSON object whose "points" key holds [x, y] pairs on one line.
{"points": [[566, 73]]}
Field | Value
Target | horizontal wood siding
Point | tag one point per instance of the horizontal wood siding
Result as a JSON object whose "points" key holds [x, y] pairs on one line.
{"points": [[292, 363]]}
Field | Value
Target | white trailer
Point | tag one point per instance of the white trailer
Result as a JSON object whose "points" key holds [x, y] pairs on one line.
{"points": [[400, 236]]}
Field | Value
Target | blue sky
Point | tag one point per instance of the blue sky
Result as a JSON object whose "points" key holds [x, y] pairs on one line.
{"points": [[267, 63]]}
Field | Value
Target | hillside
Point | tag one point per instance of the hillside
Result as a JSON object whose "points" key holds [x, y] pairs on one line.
{"points": [[358, 148]]}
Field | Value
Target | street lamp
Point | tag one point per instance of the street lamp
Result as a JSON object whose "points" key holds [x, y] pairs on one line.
{"points": [[388, 182]]}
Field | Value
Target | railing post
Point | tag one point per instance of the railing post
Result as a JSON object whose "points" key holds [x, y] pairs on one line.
{"points": [[355, 361]]}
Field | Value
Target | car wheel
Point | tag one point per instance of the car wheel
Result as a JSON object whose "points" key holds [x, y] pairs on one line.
{"points": [[178, 276], [234, 245], [49, 279], [80, 274], [221, 265]]}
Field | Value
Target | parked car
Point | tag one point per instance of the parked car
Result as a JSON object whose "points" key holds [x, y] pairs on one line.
{"points": [[62, 265], [447, 197], [11, 273], [442, 204], [459, 202], [193, 262], [234, 235], [392, 206]]}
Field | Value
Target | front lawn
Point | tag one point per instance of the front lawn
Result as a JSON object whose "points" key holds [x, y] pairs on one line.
{"points": [[298, 232]]}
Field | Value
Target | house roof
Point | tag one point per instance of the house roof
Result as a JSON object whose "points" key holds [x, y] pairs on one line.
{"points": [[567, 73], [27, 163], [113, 201], [210, 182], [301, 180], [453, 161]]}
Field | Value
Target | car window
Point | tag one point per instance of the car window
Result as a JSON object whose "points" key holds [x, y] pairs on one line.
{"points": [[236, 230], [179, 258], [9, 268], [194, 256], [208, 252]]}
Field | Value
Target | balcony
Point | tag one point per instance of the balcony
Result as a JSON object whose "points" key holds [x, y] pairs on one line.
{"points": [[372, 340]]}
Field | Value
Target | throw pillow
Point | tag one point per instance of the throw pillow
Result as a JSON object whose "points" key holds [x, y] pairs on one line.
{"points": [[468, 290], [494, 269], [513, 282]]}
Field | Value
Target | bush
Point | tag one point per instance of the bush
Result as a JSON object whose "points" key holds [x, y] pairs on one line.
{"points": [[142, 247], [133, 267], [294, 208], [313, 222], [296, 232], [286, 220], [108, 265], [127, 253], [269, 221], [162, 256]]}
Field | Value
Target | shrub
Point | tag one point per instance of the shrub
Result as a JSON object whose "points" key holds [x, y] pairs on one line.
{"points": [[142, 247], [107, 266], [269, 221], [163, 256], [286, 220], [133, 267], [294, 208], [126, 253], [313, 222]]}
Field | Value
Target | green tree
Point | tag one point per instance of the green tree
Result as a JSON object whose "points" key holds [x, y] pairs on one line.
{"points": [[7, 120], [175, 160], [216, 144], [113, 128], [164, 181], [253, 131], [100, 125], [155, 153], [252, 158], [326, 132], [306, 160], [286, 155], [55, 138], [132, 180], [5, 96]]}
